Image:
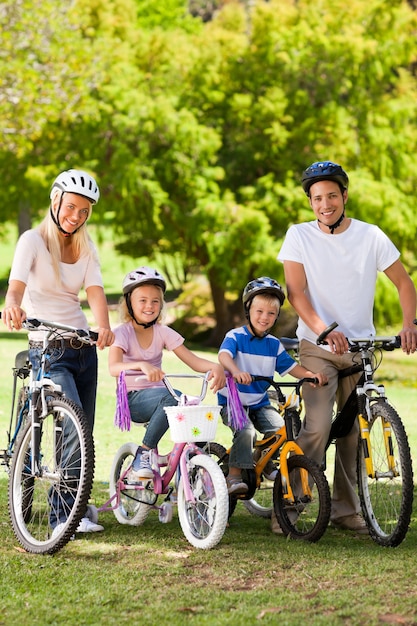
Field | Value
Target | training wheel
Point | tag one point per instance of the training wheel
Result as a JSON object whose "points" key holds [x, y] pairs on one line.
{"points": [[165, 513]]}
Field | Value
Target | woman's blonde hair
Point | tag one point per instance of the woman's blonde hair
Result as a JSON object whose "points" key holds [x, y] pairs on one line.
{"points": [[124, 314], [81, 242]]}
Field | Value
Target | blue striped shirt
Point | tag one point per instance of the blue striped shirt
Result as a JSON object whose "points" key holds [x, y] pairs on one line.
{"points": [[259, 356]]}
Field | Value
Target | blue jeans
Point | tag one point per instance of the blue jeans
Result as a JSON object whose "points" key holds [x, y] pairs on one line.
{"points": [[76, 372], [266, 420], [147, 405]]}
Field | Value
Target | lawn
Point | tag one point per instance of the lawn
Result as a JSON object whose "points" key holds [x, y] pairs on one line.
{"points": [[151, 575]]}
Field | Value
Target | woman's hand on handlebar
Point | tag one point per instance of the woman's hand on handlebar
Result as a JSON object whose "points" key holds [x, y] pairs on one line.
{"points": [[105, 338], [13, 316]]}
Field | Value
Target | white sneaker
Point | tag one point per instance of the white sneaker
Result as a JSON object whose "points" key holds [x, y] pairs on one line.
{"points": [[87, 526], [58, 529]]}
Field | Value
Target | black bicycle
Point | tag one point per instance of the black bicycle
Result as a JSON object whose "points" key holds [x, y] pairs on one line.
{"points": [[384, 465], [50, 452]]}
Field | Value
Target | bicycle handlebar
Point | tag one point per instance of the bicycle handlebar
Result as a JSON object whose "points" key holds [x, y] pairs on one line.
{"points": [[358, 343], [277, 385], [183, 398], [86, 336]]}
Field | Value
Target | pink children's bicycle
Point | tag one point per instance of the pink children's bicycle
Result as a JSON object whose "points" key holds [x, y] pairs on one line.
{"points": [[186, 475]]}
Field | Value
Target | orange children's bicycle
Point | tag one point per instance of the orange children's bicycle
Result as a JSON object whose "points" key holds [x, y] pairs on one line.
{"points": [[300, 493]]}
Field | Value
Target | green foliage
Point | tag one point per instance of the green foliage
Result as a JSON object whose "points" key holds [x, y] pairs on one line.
{"points": [[198, 132]]}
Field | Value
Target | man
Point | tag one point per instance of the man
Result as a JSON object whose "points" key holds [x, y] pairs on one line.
{"points": [[330, 267]]}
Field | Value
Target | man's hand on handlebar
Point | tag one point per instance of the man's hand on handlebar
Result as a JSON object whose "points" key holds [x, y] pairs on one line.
{"points": [[408, 339]]}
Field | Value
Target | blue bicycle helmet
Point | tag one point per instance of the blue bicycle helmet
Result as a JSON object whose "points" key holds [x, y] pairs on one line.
{"points": [[324, 170]]}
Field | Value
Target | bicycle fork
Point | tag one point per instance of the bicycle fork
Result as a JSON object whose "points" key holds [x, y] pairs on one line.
{"points": [[290, 447], [365, 442]]}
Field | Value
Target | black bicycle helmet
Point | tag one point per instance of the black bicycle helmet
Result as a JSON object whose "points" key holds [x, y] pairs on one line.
{"points": [[262, 285], [324, 170]]}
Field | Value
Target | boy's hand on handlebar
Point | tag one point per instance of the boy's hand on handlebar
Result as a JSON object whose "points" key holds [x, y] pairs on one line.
{"points": [[244, 378], [408, 339], [322, 379], [218, 378], [13, 316]]}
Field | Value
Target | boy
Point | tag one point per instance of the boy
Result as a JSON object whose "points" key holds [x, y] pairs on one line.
{"points": [[251, 350]]}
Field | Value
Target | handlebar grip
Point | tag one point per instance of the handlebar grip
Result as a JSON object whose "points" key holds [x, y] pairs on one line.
{"points": [[321, 338]]}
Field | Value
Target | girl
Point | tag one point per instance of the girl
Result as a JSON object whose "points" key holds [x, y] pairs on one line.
{"points": [[137, 351]]}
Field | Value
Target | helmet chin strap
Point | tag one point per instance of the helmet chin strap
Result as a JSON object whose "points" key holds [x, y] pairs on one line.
{"points": [[132, 315], [332, 227]]}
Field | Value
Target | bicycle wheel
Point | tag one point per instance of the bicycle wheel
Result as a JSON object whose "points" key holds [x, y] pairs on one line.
{"points": [[308, 516], [134, 504], [59, 493], [386, 497], [221, 456], [203, 521]]}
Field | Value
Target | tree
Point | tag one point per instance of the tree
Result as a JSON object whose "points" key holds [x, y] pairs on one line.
{"points": [[198, 132]]}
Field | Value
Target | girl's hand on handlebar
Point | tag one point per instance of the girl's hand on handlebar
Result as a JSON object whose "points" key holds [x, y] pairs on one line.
{"points": [[13, 316], [152, 373], [218, 378]]}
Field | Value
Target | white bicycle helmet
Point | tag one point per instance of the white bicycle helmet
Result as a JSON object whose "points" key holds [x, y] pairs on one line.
{"points": [[143, 276], [79, 182]]}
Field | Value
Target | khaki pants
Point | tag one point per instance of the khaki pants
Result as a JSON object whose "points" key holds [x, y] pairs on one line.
{"points": [[319, 406]]}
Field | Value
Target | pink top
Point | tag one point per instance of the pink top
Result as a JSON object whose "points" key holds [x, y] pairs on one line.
{"points": [[163, 337]]}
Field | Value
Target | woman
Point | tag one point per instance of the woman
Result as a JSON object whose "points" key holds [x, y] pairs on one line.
{"points": [[51, 264]]}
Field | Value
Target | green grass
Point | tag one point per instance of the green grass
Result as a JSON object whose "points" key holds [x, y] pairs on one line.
{"points": [[151, 574]]}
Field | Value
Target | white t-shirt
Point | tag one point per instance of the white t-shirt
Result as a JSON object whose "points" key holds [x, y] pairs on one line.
{"points": [[43, 298], [163, 337], [341, 272]]}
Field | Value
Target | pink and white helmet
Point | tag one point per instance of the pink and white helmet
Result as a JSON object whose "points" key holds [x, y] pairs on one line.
{"points": [[143, 276]]}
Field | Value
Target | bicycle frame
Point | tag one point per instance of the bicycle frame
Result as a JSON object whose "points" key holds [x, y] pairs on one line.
{"points": [[175, 460], [37, 389], [282, 440]]}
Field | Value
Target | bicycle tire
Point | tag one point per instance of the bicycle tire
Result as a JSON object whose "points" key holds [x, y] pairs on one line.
{"points": [[134, 504], [204, 521], [221, 456], [306, 518], [386, 501], [64, 482]]}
